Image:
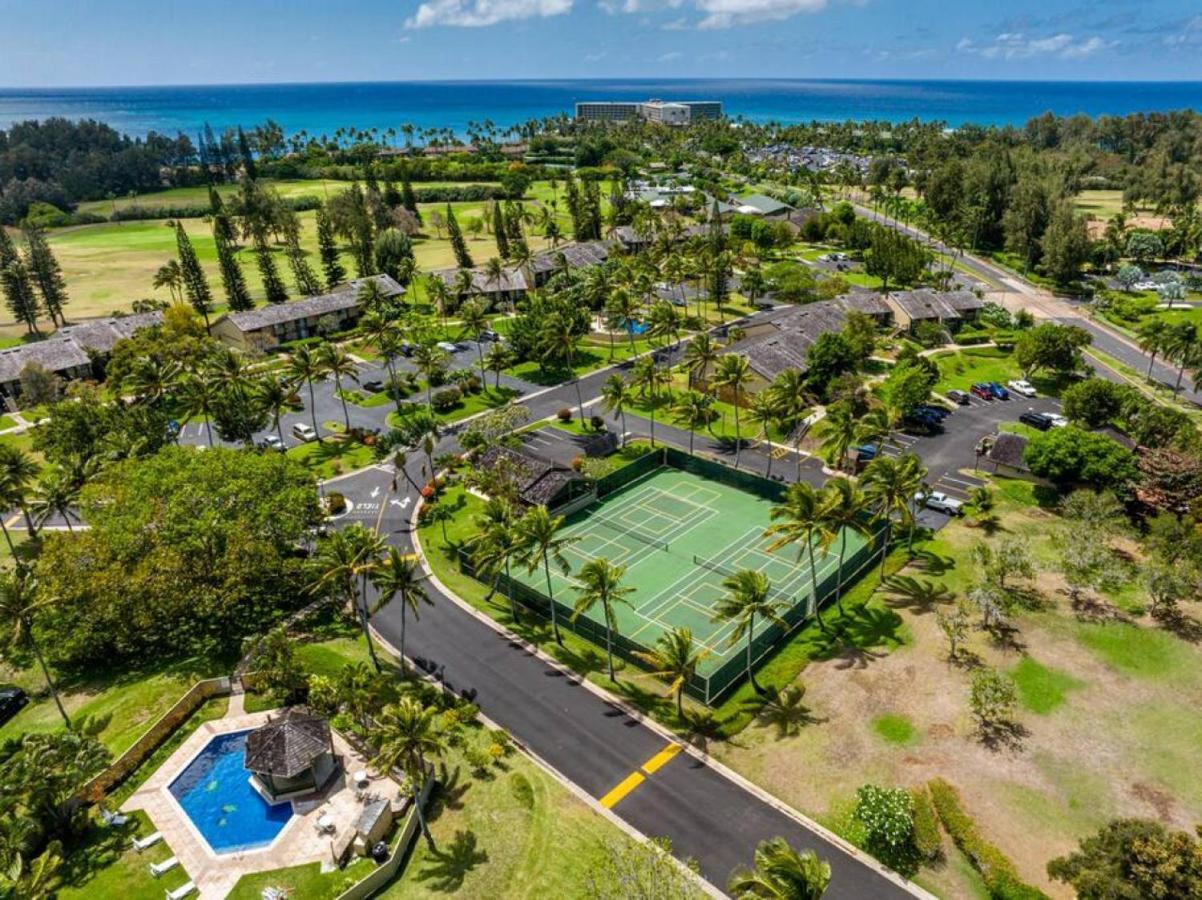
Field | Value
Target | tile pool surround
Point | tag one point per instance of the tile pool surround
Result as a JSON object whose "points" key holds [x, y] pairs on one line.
{"points": [[218, 801]]}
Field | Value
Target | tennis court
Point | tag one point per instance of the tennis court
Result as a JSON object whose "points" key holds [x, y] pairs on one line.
{"points": [[680, 535]]}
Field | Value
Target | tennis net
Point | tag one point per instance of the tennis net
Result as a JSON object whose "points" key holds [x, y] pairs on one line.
{"points": [[774, 593]]}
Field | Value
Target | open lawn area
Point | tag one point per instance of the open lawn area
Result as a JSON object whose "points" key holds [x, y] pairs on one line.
{"points": [[332, 456], [133, 700], [1109, 712], [960, 369]]}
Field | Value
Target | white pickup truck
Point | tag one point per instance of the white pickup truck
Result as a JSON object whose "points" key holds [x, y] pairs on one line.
{"points": [[941, 502]]}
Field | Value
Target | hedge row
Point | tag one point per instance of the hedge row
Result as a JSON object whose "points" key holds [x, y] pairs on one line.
{"points": [[135, 212], [928, 840], [998, 872]]}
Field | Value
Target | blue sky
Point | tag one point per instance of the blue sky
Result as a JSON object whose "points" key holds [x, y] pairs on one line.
{"points": [[120, 42]]}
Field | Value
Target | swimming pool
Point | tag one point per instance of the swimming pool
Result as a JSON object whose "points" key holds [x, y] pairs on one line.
{"points": [[214, 791], [636, 327]]}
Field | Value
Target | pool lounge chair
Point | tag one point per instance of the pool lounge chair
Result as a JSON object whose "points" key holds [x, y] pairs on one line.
{"points": [[114, 820], [182, 891], [157, 869], [150, 840]]}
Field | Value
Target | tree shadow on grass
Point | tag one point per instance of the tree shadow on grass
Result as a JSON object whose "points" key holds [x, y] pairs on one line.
{"points": [[860, 637], [450, 791], [918, 596], [998, 736], [448, 866], [97, 849], [933, 563], [1181, 624]]}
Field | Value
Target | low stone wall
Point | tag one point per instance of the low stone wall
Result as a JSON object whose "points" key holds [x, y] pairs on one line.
{"points": [[388, 869], [121, 768]]}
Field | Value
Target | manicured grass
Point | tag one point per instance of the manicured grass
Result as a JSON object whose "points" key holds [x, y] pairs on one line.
{"points": [[490, 843], [895, 729], [332, 456], [1041, 689], [134, 700], [103, 866], [468, 405], [366, 400], [1136, 651], [199, 195], [960, 369], [723, 426], [7, 421], [307, 881]]}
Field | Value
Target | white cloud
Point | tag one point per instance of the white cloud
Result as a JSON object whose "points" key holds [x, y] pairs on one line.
{"points": [[479, 13], [1015, 45], [727, 13]]}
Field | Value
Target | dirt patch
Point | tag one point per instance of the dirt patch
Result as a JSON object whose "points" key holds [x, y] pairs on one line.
{"points": [[1158, 799]]}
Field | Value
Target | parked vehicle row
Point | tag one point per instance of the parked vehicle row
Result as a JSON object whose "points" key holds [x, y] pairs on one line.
{"points": [[1043, 421]]}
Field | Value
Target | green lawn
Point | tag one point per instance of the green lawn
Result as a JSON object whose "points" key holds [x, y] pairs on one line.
{"points": [[103, 866], [1135, 651], [134, 700], [960, 369], [1041, 689], [307, 882], [895, 729], [332, 456], [468, 405], [722, 428]]}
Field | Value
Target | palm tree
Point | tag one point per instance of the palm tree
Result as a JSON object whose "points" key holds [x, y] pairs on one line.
{"points": [[171, 276], [842, 510], [764, 413], [676, 658], [748, 596], [792, 400], [665, 321], [399, 576], [276, 397], [559, 338], [838, 432], [615, 397], [152, 379], [781, 873], [799, 522], [197, 396], [407, 735], [753, 284], [890, 485], [17, 471], [693, 408], [338, 568], [438, 292], [475, 322], [647, 377], [18, 603], [429, 359], [600, 582], [496, 544], [623, 307], [733, 372], [700, 355], [305, 365], [539, 546], [56, 493], [1184, 348], [873, 428], [337, 362]]}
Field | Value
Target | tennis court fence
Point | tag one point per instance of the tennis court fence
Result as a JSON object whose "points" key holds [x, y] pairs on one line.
{"points": [[708, 687]]}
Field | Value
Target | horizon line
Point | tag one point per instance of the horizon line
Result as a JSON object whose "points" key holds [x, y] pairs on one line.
{"points": [[605, 79]]}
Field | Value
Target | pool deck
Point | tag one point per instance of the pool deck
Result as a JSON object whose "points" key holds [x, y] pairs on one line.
{"points": [[216, 874]]}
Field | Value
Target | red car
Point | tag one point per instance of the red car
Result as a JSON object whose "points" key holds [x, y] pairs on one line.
{"points": [[983, 391]]}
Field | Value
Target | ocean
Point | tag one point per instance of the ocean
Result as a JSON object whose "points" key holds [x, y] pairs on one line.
{"points": [[324, 108]]}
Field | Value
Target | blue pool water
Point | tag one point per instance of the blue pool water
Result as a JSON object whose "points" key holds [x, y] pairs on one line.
{"points": [[215, 792], [636, 327]]}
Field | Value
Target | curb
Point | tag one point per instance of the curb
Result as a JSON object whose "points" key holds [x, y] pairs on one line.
{"points": [[571, 786], [643, 719]]}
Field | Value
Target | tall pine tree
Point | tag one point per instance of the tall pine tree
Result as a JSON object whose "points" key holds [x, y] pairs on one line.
{"points": [[303, 276], [273, 285], [196, 286], [327, 247], [408, 197], [221, 221], [19, 295], [575, 208], [513, 229], [248, 158], [44, 270], [463, 259], [498, 230], [592, 209], [232, 279]]}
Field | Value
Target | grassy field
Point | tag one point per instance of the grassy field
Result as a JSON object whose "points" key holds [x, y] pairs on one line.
{"points": [[1109, 712], [108, 266], [105, 867], [332, 456], [960, 369], [133, 700]]}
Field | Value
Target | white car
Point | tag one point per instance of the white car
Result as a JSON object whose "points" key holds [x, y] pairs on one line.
{"points": [[1021, 386], [940, 502], [447, 347], [1058, 421], [303, 432]]}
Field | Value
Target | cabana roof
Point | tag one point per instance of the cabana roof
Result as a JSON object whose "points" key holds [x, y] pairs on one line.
{"points": [[287, 746]]}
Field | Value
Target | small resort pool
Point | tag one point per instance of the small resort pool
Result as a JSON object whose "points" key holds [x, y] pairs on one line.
{"points": [[635, 327], [215, 792]]}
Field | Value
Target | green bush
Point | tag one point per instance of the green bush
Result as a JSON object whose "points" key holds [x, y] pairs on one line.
{"points": [[446, 399], [519, 784], [995, 867], [928, 840]]}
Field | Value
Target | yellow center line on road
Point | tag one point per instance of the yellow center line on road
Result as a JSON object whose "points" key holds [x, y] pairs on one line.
{"points": [[637, 777]]}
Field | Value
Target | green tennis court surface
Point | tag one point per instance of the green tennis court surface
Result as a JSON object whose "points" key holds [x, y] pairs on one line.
{"points": [[680, 535]]}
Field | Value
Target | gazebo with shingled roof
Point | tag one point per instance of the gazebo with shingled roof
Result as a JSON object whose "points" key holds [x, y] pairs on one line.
{"points": [[291, 755]]}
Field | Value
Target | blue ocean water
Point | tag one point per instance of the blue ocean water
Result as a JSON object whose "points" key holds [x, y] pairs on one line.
{"points": [[324, 108], [215, 791]]}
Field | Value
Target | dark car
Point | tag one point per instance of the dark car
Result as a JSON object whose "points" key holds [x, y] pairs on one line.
{"points": [[999, 390], [959, 397], [865, 452], [939, 411], [373, 387], [982, 391], [1036, 420], [488, 335], [12, 701], [407, 349]]}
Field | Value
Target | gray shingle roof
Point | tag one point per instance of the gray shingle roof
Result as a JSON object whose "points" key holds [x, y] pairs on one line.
{"points": [[538, 480], [925, 304], [1008, 449], [510, 280], [765, 204], [54, 354], [345, 297], [101, 334], [288, 745]]}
